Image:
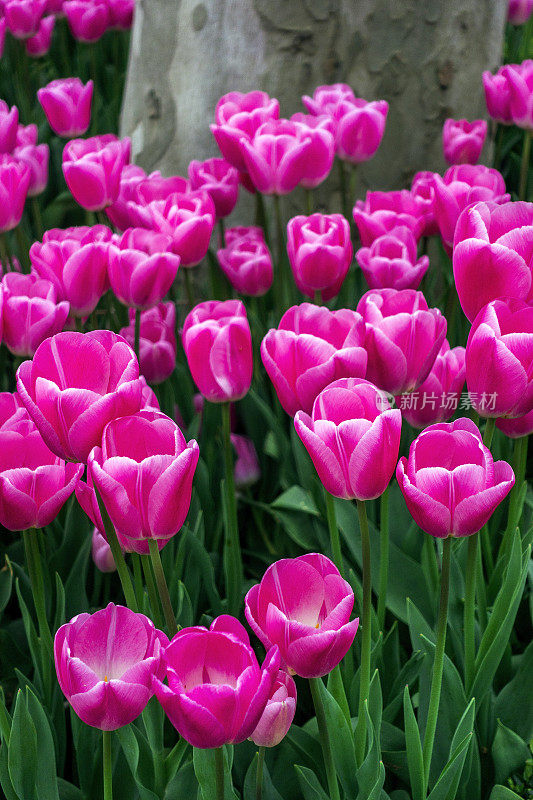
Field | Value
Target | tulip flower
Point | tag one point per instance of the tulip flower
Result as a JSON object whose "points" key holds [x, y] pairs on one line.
{"points": [[246, 470], [30, 312], [105, 663], [237, 117], [279, 157], [497, 96], [26, 134], [463, 141], [188, 218], [321, 132], [121, 13], [157, 341], [220, 180], [148, 397], [403, 337], [232, 235], [519, 78], [101, 553], [381, 212], [516, 427], [3, 28], [92, 169], [67, 105], [325, 99], [141, 269], [391, 261], [422, 187], [15, 177], [39, 44], [124, 211], [75, 385], [278, 714], [519, 11], [35, 157], [320, 253], [88, 20], [9, 119], [23, 16], [312, 347], [246, 262], [360, 126], [12, 413]]}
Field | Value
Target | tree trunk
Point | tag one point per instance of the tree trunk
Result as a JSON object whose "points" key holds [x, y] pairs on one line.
{"points": [[424, 56]]}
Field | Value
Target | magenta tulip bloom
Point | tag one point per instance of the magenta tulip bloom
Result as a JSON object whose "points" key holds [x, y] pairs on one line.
{"points": [[101, 553], [3, 28], [423, 188], [92, 169], [148, 397], [437, 398], [381, 212], [88, 19], [519, 78], [403, 337], [15, 177], [462, 141], [157, 341], [312, 347], [247, 470], [189, 219], [144, 471], [216, 689], [75, 385], [141, 269], [9, 119], [35, 157], [450, 483], [279, 157], [121, 13], [325, 99], [237, 117], [278, 714], [26, 134], [12, 413], [303, 605], [519, 11], [220, 180], [105, 663], [499, 359], [23, 16], [391, 261], [360, 126], [246, 262], [218, 344], [67, 105], [321, 131], [30, 312], [353, 438], [320, 253], [517, 426], [492, 254], [39, 44], [125, 212], [497, 96]]}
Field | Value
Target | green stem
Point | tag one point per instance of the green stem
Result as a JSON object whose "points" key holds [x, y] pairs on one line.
{"points": [[481, 592], [219, 772], [232, 549], [283, 278], [489, 431], [261, 217], [334, 532], [519, 465], [438, 664], [37, 217], [137, 578], [108, 767], [325, 740], [118, 555], [188, 287], [366, 643], [137, 335], [383, 557], [33, 561], [24, 248], [162, 588], [222, 232], [524, 166], [317, 299], [470, 610], [259, 774], [342, 186], [309, 201], [4, 254], [153, 597]]}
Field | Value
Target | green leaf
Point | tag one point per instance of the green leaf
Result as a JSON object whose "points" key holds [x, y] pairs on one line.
{"points": [[139, 757], [371, 773], [22, 752], [341, 737], [46, 779], [306, 747], [513, 704], [5, 780], [31, 633], [509, 752], [206, 570], [204, 769], [269, 790], [413, 744], [464, 728], [6, 584], [503, 793], [67, 791], [311, 788], [443, 789], [296, 499]]}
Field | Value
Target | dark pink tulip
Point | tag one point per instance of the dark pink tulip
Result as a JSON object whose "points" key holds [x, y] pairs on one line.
{"points": [[437, 398], [322, 151], [278, 714], [121, 13], [3, 28], [141, 269], [148, 397], [15, 177], [88, 19], [92, 169], [36, 159], [237, 117], [26, 134], [67, 105], [247, 470], [216, 689], [39, 44], [30, 312], [462, 141], [101, 553], [519, 11], [144, 471], [75, 385], [499, 359], [157, 341], [54, 7], [311, 347], [246, 262], [519, 79], [218, 344], [403, 337], [492, 256], [360, 126], [497, 96], [220, 180], [517, 426], [279, 157], [391, 261], [303, 605], [9, 119], [423, 188], [123, 212], [381, 212], [23, 16], [450, 483], [105, 663], [13, 415], [244, 231], [353, 438], [189, 220], [320, 253], [156, 187], [325, 99]]}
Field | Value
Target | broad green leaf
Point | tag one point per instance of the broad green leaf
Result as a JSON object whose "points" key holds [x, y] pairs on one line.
{"points": [[269, 790], [464, 728], [204, 769], [503, 793], [311, 788], [6, 584], [414, 749], [67, 791], [296, 499], [513, 704], [206, 569], [509, 752], [306, 747], [45, 779], [139, 757], [5, 780], [371, 774], [444, 788], [5, 719], [341, 737], [22, 753]]}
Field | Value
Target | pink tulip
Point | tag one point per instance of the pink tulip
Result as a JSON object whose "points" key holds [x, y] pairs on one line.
{"points": [[123, 212], [189, 220], [75, 385], [88, 19], [322, 151], [437, 398], [246, 262], [519, 11], [244, 231], [423, 188], [67, 105], [450, 483], [381, 212], [279, 157], [519, 79], [35, 157], [220, 180], [391, 261], [101, 553], [141, 268], [461, 187], [23, 16], [30, 312], [121, 13], [325, 99], [148, 397], [499, 359], [157, 341], [403, 337], [237, 118], [39, 44], [517, 426], [278, 714], [247, 469], [218, 344], [303, 605], [497, 96], [15, 177], [216, 689], [312, 347], [155, 187], [92, 169], [463, 141], [360, 126], [320, 253], [144, 471], [105, 663], [3, 28], [13, 415], [492, 254], [9, 119], [54, 7], [26, 134]]}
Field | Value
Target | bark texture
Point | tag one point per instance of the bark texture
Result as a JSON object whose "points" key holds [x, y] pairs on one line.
{"points": [[424, 56]]}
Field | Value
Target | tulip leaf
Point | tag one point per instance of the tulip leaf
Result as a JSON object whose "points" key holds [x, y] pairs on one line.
{"points": [[67, 791], [450, 775], [413, 744], [88, 747], [6, 584], [31, 633], [509, 752], [306, 747], [139, 757], [371, 773], [311, 788], [5, 780], [204, 769], [269, 790], [503, 793], [341, 737], [513, 704], [205, 566], [22, 752]]}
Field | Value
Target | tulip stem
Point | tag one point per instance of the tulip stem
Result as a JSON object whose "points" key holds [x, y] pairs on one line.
{"points": [[309, 201], [519, 466], [137, 334], [37, 217], [334, 532], [219, 772], [162, 587], [4, 254], [33, 561], [524, 166], [188, 288], [366, 643], [116, 550], [470, 610], [325, 740], [489, 431], [261, 217], [259, 774], [108, 768], [153, 596], [221, 232], [283, 278], [383, 557], [438, 664], [137, 578], [342, 186], [232, 549]]}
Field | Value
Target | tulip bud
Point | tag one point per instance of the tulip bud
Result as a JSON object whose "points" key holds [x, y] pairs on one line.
{"points": [[320, 252], [463, 141], [92, 169], [67, 105], [278, 714]]}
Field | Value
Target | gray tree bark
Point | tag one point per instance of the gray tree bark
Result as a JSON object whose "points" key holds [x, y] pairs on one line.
{"points": [[424, 56]]}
